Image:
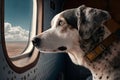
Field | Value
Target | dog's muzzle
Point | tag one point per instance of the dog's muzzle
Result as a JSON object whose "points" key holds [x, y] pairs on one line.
{"points": [[36, 41]]}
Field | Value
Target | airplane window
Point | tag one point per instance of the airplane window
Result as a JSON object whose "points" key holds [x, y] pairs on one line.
{"points": [[17, 25]]}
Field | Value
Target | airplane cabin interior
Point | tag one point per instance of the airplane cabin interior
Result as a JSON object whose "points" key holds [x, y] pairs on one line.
{"points": [[30, 64]]}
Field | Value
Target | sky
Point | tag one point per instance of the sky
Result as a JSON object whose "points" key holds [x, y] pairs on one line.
{"points": [[19, 12], [18, 19]]}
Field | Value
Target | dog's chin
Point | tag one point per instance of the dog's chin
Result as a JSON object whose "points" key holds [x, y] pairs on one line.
{"points": [[50, 51], [58, 50]]}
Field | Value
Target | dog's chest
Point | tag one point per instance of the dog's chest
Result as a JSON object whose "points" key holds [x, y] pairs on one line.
{"points": [[108, 66], [100, 70]]}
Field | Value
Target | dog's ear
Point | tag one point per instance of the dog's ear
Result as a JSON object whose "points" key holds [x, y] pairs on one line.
{"points": [[100, 16], [79, 14], [89, 19], [81, 22], [88, 14]]}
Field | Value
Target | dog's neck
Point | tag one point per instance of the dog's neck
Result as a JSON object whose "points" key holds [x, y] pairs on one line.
{"points": [[78, 57], [104, 68]]}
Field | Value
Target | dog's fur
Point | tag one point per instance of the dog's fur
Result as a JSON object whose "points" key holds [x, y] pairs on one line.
{"points": [[77, 31]]}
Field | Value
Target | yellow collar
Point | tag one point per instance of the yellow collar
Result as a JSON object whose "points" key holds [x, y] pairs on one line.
{"points": [[100, 48], [91, 56]]}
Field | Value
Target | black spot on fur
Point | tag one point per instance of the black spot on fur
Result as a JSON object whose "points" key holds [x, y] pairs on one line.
{"points": [[89, 64], [62, 48], [109, 71], [99, 61], [115, 49], [107, 77], [98, 68], [106, 59], [94, 67], [100, 77], [105, 65]]}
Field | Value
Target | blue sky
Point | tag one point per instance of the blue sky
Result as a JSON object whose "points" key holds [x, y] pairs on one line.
{"points": [[19, 13]]}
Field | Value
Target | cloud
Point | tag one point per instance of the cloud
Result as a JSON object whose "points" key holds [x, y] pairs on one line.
{"points": [[15, 33]]}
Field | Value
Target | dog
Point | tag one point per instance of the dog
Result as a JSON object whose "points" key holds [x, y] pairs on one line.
{"points": [[78, 31]]}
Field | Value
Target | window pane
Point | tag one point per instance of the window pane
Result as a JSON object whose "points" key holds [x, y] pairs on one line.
{"points": [[18, 18]]}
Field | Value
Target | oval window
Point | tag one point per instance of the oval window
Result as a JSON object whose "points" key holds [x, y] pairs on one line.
{"points": [[17, 21]]}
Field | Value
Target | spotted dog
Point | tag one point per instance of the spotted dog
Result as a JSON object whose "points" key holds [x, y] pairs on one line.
{"points": [[78, 31]]}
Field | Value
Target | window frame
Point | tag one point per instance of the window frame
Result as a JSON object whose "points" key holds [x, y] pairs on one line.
{"points": [[30, 51]]}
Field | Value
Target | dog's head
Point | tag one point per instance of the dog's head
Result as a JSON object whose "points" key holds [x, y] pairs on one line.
{"points": [[81, 27]]}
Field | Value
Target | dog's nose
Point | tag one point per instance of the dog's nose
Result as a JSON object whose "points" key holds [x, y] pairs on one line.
{"points": [[36, 41]]}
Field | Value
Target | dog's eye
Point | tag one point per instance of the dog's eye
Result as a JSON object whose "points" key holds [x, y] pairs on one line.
{"points": [[60, 23]]}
